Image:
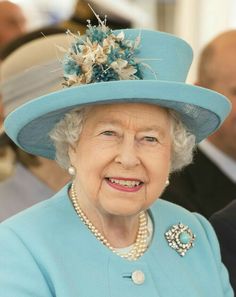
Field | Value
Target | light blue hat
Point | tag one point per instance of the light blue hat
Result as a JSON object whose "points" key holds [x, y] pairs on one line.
{"points": [[155, 73]]}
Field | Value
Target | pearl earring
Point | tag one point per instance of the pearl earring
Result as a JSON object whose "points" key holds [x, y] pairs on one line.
{"points": [[72, 170], [167, 183]]}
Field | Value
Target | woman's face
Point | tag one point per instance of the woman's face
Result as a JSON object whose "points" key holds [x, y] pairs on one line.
{"points": [[122, 158]]}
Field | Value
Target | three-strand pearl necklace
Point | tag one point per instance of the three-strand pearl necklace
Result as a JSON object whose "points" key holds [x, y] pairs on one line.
{"points": [[138, 248]]}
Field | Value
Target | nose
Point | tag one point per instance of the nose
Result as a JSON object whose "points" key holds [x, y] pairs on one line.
{"points": [[127, 154]]}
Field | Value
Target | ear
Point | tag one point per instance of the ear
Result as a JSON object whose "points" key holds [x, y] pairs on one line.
{"points": [[72, 153]]}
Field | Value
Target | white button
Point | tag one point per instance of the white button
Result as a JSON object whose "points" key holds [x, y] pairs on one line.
{"points": [[138, 277]]}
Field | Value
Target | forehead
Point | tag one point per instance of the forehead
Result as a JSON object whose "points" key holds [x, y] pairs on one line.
{"points": [[127, 113]]}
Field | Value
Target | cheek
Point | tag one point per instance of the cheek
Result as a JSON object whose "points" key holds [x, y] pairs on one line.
{"points": [[158, 171], [91, 166], [160, 163], [89, 178]]}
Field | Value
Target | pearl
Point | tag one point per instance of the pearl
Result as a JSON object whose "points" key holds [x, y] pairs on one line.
{"points": [[72, 170], [140, 245]]}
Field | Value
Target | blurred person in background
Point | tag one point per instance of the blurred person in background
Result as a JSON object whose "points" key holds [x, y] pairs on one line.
{"points": [[209, 183], [12, 22], [31, 179], [82, 12], [1, 114], [224, 222]]}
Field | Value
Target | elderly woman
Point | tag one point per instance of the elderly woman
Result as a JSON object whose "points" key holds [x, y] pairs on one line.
{"points": [[125, 124]]}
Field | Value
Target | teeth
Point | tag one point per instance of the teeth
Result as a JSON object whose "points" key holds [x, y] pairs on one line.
{"points": [[126, 183]]}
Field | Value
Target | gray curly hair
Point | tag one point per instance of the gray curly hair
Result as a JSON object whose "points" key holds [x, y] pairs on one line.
{"points": [[66, 133]]}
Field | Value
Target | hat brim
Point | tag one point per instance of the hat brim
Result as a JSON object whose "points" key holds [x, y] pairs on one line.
{"points": [[201, 110]]}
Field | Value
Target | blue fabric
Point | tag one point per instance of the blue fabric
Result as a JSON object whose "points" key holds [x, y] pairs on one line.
{"points": [[47, 251], [168, 59]]}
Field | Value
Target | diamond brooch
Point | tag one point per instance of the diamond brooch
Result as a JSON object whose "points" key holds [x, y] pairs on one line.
{"points": [[180, 238]]}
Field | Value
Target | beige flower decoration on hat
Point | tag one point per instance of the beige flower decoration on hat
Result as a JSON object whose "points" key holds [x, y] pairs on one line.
{"points": [[100, 55]]}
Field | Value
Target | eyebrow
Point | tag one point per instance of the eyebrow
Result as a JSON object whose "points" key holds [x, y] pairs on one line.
{"points": [[145, 129]]}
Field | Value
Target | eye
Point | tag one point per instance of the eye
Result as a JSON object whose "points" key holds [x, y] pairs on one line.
{"points": [[150, 139], [108, 133]]}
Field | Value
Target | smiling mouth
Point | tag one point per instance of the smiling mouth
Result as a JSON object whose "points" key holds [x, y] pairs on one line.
{"points": [[127, 183]]}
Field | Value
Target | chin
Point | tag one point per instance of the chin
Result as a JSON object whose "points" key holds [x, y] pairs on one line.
{"points": [[123, 209]]}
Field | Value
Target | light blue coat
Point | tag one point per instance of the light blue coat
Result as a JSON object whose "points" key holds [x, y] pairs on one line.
{"points": [[47, 251]]}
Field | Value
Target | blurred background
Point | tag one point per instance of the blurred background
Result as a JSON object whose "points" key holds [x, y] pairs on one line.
{"points": [[197, 21]]}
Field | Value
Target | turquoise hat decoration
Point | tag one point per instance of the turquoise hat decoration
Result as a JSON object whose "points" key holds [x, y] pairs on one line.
{"points": [[104, 67]]}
